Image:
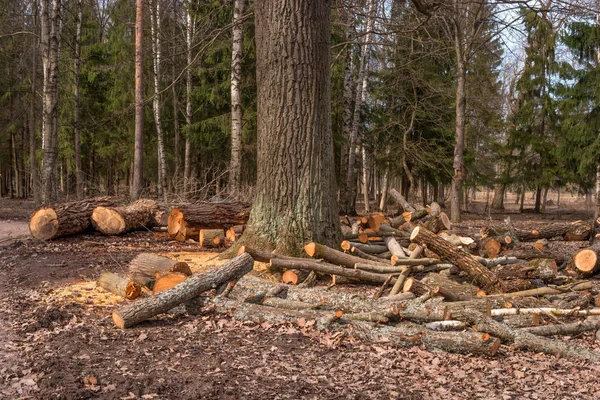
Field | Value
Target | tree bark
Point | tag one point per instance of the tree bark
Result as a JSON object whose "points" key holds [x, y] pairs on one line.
{"points": [[76, 131], [118, 220], [325, 268], [32, 123], [465, 262], [142, 310], [187, 169], [155, 25], [295, 199], [235, 166], [459, 146], [65, 219], [50, 41], [361, 96], [138, 155], [320, 251], [210, 238]]}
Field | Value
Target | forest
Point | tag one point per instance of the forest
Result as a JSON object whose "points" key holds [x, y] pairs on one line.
{"points": [[299, 199], [439, 100]]}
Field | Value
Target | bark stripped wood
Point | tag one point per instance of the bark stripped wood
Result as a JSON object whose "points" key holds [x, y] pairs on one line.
{"points": [[446, 325], [586, 262], [210, 238], [333, 256], [398, 198], [145, 266], [51, 222], [134, 313], [394, 247], [465, 262], [141, 214], [206, 215], [119, 285], [324, 268], [545, 310]]}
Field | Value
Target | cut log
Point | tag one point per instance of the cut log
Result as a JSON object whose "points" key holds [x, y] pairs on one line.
{"points": [[145, 266], [574, 328], [51, 222], [438, 223], [144, 309], [206, 215], [119, 285], [527, 252], [394, 247], [586, 262], [490, 247], [450, 290], [375, 220], [446, 325], [406, 270], [324, 268], [576, 231], [294, 276], [364, 255], [416, 287], [333, 256], [235, 232], [524, 339], [210, 238], [118, 220], [539, 268], [465, 262], [168, 280], [366, 248]]}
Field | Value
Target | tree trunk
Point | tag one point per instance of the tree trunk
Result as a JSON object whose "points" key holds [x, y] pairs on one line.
{"points": [[32, 123], [138, 155], [65, 219], [296, 199], [361, 96], [187, 170], [118, 220], [76, 132], [176, 128], [155, 25], [50, 40], [144, 309], [346, 119], [235, 166]]}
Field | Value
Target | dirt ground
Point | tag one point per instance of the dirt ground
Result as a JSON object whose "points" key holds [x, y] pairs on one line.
{"points": [[57, 341]]}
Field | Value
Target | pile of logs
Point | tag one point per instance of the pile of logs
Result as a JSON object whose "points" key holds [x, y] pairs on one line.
{"points": [[212, 225]]}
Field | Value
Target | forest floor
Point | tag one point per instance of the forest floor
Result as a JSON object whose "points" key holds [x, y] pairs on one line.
{"points": [[57, 341]]}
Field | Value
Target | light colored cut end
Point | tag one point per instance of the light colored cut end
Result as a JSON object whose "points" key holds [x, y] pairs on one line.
{"points": [[290, 277], [132, 291], [408, 283], [43, 224], [363, 238], [241, 250], [167, 281], [108, 221], [414, 233], [175, 222], [311, 249], [346, 246], [118, 320], [406, 216], [585, 260]]}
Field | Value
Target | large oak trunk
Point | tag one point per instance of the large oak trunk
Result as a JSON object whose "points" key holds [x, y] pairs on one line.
{"points": [[142, 214], [295, 199], [65, 219], [134, 313]]}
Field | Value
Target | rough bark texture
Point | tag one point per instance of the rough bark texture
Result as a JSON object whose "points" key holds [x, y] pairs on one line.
{"points": [[295, 199], [138, 155], [50, 44], [465, 262], [117, 220], [209, 238], [235, 166], [317, 250], [65, 219], [76, 133], [189, 38], [134, 313]]}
